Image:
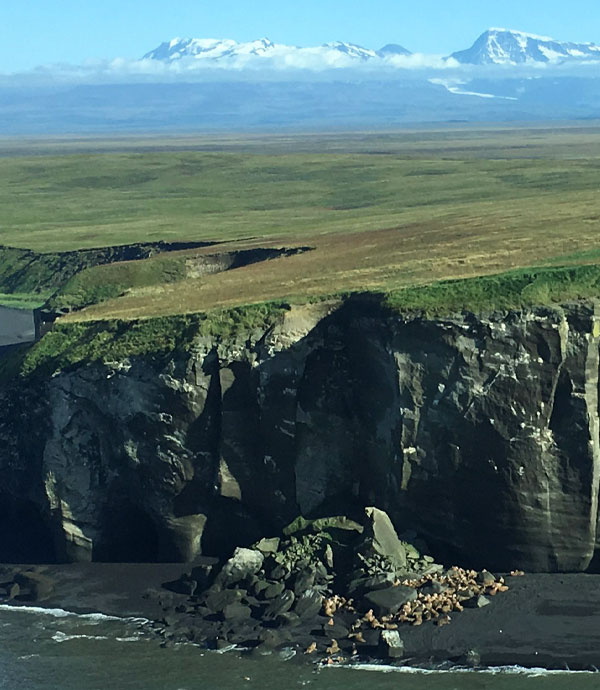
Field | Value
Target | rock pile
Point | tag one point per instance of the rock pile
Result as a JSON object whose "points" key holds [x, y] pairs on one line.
{"points": [[29, 585], [332, 587]]}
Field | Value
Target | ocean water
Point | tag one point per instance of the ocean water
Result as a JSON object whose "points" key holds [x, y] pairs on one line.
{"points": [[55, 650]]}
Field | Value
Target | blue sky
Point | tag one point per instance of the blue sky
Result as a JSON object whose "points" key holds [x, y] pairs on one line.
{"points": [[36, 32]]}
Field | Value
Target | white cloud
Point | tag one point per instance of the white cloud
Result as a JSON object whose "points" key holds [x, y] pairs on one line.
{"points": [[282, 63]]}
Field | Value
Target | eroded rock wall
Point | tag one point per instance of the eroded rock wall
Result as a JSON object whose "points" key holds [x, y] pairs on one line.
{"points": [[480, 433]]}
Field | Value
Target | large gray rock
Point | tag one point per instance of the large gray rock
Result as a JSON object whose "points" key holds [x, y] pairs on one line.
{"points": [[391, 644], [381, 538], [243, 563], [389, 601], [34, 586], [308, 604]]}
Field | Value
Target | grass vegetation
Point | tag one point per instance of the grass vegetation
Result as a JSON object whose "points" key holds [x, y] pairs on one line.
{"points": [[111, 341], [510, 290], [100, 283], [22, 300], [386, 212]]}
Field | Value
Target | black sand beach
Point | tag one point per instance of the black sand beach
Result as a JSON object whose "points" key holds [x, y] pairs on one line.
{"points": [[550, 621]]}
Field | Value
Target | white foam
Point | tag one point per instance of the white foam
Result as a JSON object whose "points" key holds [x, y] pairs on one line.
{"points": [[62, 613], [492, 670], [63, 637]]}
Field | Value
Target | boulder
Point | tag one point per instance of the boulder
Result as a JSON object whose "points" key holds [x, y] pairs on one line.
{"points": [[271, 638], [434, 588], [34, 586], [337, 631], [339, 522], [486, 578], [371, 637], [385, 602], [279, 605], [217, 600], [370, 584], [280, 572], [259, 587], [391, 644], [287, 619], [243, 563], [380, 537], [12, 590], [222, 643], [304, 580], [267, 546], [308, 604], [477, 602], [273, 590], [183, 585], [236, 611], [412, 553]]}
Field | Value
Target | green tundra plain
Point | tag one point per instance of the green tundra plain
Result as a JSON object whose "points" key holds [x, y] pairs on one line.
{"points": [[403, 214]]}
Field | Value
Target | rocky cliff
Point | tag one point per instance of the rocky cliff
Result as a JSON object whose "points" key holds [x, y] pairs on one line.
{"points": [[478, 432]]}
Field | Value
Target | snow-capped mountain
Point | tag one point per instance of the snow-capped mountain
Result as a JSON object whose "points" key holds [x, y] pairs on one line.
{"points": [[506, 47], [209, 49], [493, 47], [351, 49], [228, 52]]}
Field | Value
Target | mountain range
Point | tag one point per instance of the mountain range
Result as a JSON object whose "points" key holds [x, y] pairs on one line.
{"points": [[494, 47], [228, 50], [505, 76]]}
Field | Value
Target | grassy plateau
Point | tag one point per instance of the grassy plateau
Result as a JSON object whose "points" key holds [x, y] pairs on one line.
{"points": [[399, 213]]}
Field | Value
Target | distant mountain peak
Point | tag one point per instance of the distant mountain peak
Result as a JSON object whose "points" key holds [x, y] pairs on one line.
{"points": [[509, 47], [393, 49], [527, 34], [351, 49], [207, 48], [226, 50]]}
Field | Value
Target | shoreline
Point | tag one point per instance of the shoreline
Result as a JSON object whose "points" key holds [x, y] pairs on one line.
{"points": [[548, 621]]}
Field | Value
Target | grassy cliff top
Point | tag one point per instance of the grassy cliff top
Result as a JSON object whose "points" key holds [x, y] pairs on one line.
{"points": [[70, 344]]}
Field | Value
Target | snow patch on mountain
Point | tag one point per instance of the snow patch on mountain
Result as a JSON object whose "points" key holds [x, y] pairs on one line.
{"points": [[209, 49], [351, 49], [521, 34]]}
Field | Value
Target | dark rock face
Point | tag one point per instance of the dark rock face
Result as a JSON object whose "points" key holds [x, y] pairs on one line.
{"points": [[481, 433]]}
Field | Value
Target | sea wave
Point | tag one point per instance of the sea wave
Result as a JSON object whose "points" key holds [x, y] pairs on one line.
{"points": [[62, 613], [63, 637], [131, 638], [490, 670]]}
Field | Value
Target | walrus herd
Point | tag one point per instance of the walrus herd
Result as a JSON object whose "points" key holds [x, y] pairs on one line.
{"points": [[333, 588]]}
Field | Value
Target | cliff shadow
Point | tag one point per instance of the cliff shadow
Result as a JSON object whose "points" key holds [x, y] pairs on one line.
{"points": [[127, 535], [26, 535]]}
